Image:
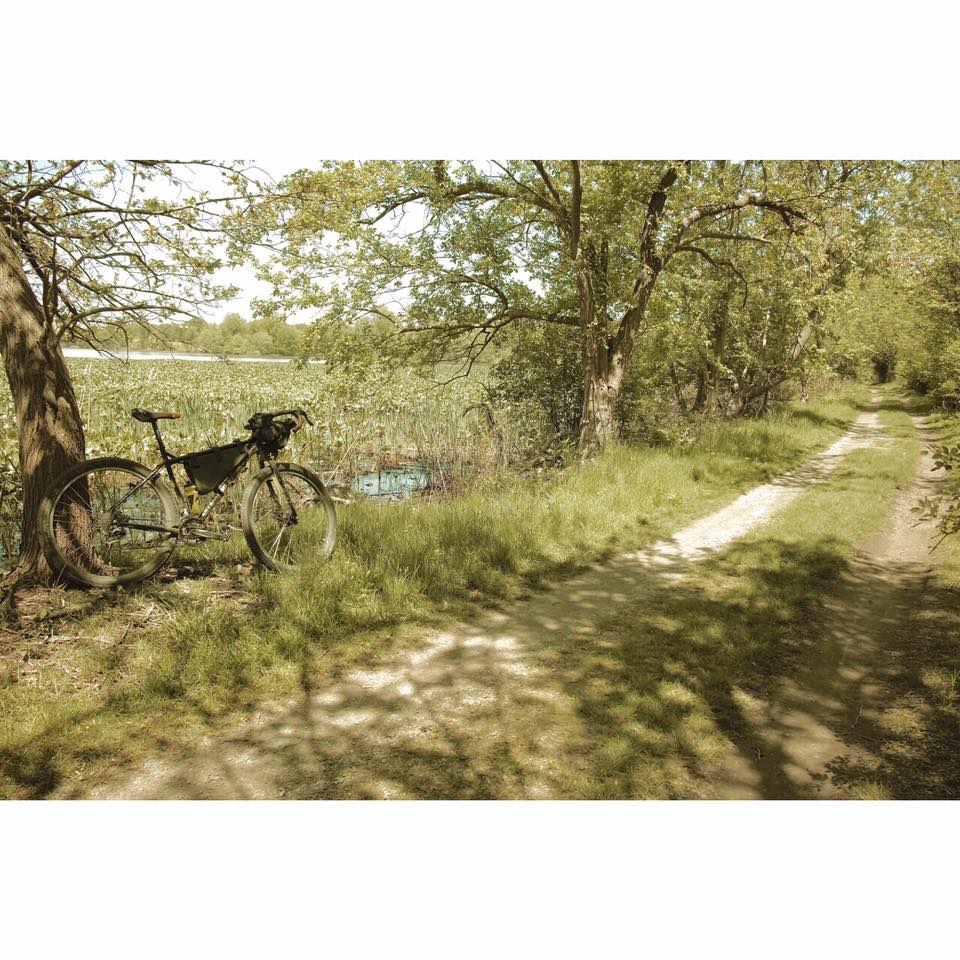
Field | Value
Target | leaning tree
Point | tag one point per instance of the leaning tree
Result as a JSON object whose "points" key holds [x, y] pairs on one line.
{"points": [[455, 253], [87, 247]]}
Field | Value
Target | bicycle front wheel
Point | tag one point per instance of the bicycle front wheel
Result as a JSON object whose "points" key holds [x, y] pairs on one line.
{"points": [[288, 517], [108, 522]]}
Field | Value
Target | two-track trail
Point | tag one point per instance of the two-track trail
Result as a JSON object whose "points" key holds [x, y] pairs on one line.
{"points": [[473, 712]]}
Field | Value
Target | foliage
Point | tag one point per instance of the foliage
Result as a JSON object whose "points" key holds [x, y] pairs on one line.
{"points": [[869, 332], [935, 360], [110, 243], [455, 255], [538, 381], [207, 658], [915, 305], [944, 507], [233, 337]]}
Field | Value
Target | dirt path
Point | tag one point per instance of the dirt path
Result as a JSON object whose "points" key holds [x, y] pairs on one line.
{"points": [[824, 721], [477, 711]]}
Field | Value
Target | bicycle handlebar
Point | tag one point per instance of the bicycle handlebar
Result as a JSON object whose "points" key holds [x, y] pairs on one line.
{"points": [[298, 413]]}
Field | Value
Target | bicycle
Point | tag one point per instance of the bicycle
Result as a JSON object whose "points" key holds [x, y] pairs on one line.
{"points": [[112, 521]]}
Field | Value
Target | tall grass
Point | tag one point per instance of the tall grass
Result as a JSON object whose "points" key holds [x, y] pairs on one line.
{"points": [[231, 641], [363, 420]]}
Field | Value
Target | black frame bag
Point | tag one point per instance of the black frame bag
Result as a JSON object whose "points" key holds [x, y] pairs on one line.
{"points": [[209, 468]]}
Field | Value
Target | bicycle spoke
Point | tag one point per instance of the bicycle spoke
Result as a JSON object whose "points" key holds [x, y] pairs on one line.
{"points": [[289, 519], [276, 542], [93, 530]]}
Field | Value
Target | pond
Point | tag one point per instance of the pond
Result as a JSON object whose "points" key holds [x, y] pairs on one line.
{"points": [[392, 483]]}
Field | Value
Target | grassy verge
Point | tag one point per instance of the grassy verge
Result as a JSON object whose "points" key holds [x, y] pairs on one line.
{"points": [[916, 738], [161, 666], [680, 674]]}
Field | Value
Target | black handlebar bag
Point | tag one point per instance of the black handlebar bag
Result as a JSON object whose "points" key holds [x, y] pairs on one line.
{"points": [[270, 435], [209, 468]]}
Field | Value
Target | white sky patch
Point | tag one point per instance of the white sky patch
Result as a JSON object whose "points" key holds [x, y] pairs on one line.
{"points": [[404, 222], [242, 276]]}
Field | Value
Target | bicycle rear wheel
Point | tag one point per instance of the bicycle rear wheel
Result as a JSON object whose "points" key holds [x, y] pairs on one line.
{"points": [[288, 517], [108, 522]]}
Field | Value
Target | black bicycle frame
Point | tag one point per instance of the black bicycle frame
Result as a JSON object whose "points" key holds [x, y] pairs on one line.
{"points": [[168, 463]]}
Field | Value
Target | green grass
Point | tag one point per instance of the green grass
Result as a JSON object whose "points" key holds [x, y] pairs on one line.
{"points": [[166, 663], [672, 675], [917, 734]]}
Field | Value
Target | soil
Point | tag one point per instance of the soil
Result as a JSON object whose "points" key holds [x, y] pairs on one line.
{"points": [[824, 720], [473, 712]]}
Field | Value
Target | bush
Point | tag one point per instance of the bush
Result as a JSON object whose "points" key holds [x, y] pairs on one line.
{"points": [[846, 363], [947, 391], [647, 413], [540, 381], [884, 362]]}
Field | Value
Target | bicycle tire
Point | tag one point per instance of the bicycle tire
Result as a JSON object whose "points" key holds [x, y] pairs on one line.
{"points": [[68, 566], [272, 558]]}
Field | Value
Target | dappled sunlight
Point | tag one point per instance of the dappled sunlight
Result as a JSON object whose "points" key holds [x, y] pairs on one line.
{"points": [[744, 656], [673, 672], [507, 708]]}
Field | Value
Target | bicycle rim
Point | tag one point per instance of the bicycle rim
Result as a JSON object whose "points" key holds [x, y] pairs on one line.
{"points": [[290, 519], [107, 525]]}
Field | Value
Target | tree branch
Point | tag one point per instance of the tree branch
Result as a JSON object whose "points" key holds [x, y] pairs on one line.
{"points": [[717, 262], [575, 207]]}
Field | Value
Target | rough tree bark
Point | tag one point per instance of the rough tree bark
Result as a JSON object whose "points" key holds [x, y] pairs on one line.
{"points": [[51, 429], [605, 361], [677, 388], [602, 379], [603, 364], [700, 400]]}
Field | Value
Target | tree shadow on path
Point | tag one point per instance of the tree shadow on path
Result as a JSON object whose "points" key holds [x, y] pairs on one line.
{"points": [[678, 681]]}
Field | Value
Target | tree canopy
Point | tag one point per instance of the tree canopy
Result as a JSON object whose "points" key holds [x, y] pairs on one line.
{"points": [[455, 254]]}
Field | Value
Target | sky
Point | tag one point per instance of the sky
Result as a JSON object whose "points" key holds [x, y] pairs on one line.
{"points": [[244, 277]]}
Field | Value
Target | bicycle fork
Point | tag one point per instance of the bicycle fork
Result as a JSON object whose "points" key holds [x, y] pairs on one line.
{"points": [[292, 515]]}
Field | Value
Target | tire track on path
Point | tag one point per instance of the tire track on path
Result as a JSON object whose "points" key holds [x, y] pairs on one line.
{"points": [[464, 714], [827, 719]]}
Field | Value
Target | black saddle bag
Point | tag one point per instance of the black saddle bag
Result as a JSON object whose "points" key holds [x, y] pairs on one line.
{"points": [[209, 468]]}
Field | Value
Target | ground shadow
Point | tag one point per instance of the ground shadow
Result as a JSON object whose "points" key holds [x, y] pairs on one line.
{"points": [[631, 681]]}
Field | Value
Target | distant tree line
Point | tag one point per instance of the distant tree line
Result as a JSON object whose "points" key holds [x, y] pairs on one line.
{"points": [[233, 337]]}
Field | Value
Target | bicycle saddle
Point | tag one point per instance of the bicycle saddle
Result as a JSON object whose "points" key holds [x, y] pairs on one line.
{"points": [[149, 416]]}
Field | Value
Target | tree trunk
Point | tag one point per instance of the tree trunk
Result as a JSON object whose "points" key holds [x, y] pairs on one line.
{"points": [[604, 362], [716, 363], [677, 388], [713, 387], [606, 354], [700, 400], [48, 418], [597, 423]]}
